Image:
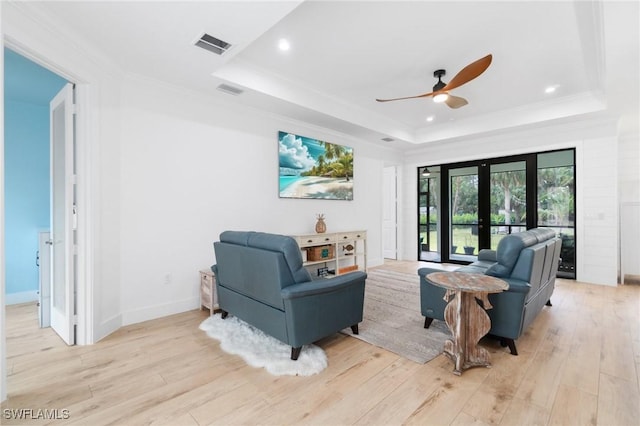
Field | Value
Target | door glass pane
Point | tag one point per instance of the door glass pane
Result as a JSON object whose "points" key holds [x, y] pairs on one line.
{"points": [[428, 214], [556, 203], [434, 190], [463, 208], [58, 217], [508, 200]]}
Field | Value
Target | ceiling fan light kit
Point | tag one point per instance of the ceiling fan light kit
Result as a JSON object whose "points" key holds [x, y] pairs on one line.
{"points": [[440, 93], [440, 97]]}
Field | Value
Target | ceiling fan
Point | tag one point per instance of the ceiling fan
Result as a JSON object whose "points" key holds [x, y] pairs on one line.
{"points": [[441, 90]]}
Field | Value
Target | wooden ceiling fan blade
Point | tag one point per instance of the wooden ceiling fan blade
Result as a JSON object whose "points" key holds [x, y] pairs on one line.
{"points": [[407, 97], [469, 72], [455, 102]]}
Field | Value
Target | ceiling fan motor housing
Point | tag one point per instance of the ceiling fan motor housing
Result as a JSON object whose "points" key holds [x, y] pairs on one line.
{"points": [[439, 85]]}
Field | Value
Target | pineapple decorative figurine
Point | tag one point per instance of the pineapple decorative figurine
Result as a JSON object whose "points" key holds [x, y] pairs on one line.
{"points": [[321, 227]]}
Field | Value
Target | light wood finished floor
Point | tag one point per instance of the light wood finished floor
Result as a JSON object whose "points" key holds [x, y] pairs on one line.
{"points": [[579, 364]]}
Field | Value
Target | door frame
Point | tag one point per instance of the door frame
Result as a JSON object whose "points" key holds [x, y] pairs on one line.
{"points": [[84, 273]]}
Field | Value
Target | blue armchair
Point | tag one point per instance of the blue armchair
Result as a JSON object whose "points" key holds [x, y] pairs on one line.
{"points": [[261, 280]]}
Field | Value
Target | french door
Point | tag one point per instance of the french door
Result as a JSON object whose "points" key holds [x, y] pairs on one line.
{"points": [[62, 215], [487, 200]]}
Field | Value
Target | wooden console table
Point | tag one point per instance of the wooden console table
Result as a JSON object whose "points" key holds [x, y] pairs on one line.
{"points": [[345, 251], [467, 321]]}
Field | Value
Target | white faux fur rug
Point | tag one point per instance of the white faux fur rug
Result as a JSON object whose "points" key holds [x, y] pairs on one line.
{"points": [[261, 350]]}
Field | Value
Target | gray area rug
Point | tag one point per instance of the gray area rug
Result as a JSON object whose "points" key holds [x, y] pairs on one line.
{"points": [[392, 318]]}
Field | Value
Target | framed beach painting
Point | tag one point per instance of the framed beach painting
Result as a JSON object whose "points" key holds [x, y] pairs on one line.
{"points": [[311, 168]]}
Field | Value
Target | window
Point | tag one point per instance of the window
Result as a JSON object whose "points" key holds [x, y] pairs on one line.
{"points": [[556, 203], [466, 207]]}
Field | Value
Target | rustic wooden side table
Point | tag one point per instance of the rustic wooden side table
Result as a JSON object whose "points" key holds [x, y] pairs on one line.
{"points": [[467, 321]]}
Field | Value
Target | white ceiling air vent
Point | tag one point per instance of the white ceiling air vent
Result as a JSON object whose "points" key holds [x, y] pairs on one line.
{"points": [[212, 44], [387, 139], [229, 89]]}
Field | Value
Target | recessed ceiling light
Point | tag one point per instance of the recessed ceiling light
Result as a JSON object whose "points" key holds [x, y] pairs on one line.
{"points": [[430, 118], [283, 44]]}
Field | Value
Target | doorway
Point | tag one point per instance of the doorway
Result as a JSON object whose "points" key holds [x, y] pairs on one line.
{"points": [[29, 88]]}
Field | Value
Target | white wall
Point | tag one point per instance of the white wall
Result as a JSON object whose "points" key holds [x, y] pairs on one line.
{"points": [[193, 166], [629, 167], [596, 146], [629, 193], [597, 210]]}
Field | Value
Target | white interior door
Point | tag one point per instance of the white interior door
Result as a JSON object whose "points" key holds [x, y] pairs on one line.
{"points": [[62, 205], [629, 241], [389, 214]]}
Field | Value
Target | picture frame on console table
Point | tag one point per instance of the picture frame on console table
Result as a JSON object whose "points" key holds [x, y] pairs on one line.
{"points": [[314, 169]]}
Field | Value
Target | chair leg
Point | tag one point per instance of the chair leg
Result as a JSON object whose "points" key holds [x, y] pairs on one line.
{"points": [[549, 303], [511, 343], [354, 328], [224, 313], [427, 322], [295, 352]]}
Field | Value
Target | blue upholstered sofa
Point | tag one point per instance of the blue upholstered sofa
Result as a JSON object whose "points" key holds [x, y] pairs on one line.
{"points": [[261, 280], [528, 261]]}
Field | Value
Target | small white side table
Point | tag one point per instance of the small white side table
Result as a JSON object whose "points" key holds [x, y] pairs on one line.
{"points": [[208, 294]]}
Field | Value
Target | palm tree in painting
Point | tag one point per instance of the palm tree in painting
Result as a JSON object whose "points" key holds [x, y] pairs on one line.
{"points": [[343, 164], [347, 165], [332, 151], [321, 165]]}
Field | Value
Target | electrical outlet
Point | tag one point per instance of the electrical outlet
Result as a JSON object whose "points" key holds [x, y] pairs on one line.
{"points": [[167, 278]]}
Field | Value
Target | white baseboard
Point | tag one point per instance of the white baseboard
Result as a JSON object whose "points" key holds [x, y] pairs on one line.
{"points": [[21, 297], [374, 262], [159, 311], [107, 327]]}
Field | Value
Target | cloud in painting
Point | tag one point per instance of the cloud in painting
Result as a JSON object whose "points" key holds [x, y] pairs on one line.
{"points": [[294, 154]]}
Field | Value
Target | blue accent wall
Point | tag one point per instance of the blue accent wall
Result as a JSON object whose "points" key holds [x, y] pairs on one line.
{"points": [[26, 167]]}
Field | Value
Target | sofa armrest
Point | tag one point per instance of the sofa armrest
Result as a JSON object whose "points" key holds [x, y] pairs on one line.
{"points": [[488, 255], [423, 272], [311, 288], [517, 286]]}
